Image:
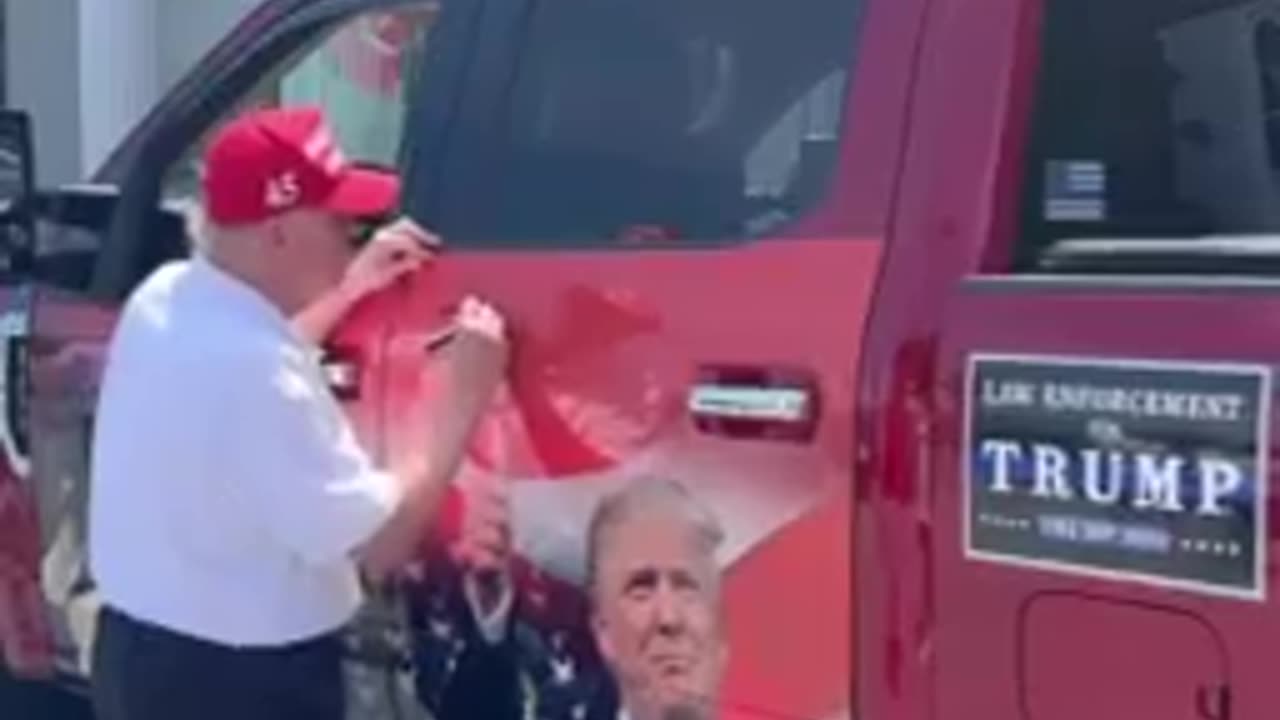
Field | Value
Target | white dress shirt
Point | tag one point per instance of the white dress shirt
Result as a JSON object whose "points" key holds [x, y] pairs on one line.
{"points": [[228, 490]]}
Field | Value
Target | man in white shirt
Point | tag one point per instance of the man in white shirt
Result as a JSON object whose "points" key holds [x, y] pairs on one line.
{"points": [[232, 508]]}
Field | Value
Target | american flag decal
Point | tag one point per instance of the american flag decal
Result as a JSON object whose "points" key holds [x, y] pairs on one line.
{"points": [[1075, 191]]}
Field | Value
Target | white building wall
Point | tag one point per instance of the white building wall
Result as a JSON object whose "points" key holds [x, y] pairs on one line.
{"points": [[42, 51], [190, 28], [117, 72], [87, 70]]}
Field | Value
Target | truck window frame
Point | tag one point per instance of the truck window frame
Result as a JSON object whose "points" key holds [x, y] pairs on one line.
{"points": [[1020, 247], [216, 86]]}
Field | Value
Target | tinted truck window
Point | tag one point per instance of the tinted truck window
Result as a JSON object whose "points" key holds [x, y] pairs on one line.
{"points": [[703, 119], [1154, 121]]}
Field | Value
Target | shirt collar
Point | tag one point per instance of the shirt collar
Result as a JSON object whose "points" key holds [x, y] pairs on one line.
{"points": [[236, 296]]}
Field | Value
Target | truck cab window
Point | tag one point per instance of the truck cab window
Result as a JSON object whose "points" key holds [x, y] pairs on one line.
{"points": [[360, 72], [788, 167], [1176, 147], [671, 115]]}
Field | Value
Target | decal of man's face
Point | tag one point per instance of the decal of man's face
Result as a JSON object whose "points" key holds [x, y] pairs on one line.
{"points": [[656, 591]]}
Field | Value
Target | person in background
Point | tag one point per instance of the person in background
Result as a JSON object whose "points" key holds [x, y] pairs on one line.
{"points": [[233, 511], [654, 615], [655, 591]]}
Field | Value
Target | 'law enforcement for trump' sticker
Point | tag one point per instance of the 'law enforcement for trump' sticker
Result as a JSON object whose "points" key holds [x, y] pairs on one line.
{"points": [[1140, 471]]}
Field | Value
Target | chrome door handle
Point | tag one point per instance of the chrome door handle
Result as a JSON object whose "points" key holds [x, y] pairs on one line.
{"points": [[760, 403]]}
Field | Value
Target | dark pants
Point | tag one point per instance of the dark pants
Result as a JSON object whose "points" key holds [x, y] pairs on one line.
{"points": [[143, 672]]}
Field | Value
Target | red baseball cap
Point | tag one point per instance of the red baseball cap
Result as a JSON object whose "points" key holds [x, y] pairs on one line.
{"points": [[267, 162]]}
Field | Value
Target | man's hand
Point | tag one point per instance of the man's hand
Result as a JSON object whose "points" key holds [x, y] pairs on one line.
{"points": [[475, 362], [395, 250], [478, 354]]}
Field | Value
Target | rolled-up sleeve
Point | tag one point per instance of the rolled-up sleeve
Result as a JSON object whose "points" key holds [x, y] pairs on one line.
{"points": [[301, 469]]}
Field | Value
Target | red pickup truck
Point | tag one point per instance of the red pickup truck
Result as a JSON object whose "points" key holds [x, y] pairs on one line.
{"points": [[955, 314]]}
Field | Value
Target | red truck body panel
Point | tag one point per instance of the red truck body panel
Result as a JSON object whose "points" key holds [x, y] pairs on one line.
{"points": [[876, 566]]}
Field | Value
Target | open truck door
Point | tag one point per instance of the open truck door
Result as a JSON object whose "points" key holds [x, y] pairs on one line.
{"points": [[24, 637], [52, 337], [47, 344], [1082, 513], [46, 236]]}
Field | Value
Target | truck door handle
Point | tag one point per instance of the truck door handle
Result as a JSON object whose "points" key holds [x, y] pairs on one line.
{"points": [[756, 403]]}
